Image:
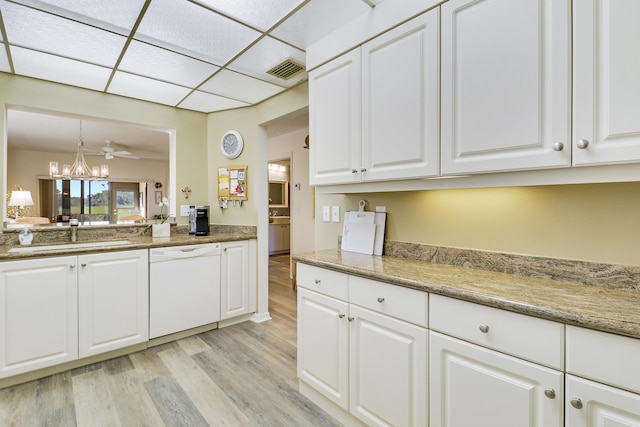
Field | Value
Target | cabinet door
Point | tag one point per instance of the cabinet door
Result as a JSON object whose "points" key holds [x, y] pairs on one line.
{"points": [[590, 404], [274, 238], [113, 300], [475, 386], [323, 345], [235, 295], [400, 101], [335, 121], [606, 91], [387, 370], [39, 321], [286, 237], [505, 85]]}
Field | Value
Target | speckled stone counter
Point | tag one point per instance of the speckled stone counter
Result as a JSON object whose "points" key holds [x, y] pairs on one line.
{"points": [[132, 233], [596, 307]]}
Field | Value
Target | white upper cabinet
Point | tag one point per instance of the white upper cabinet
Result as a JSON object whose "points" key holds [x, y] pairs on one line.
{"points": [[505, 85], [606, 81], [400, 102], [334, 121], [373, 112]]}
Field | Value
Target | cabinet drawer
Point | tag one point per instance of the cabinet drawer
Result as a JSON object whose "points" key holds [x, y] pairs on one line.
{"points": [[321, 280], [537, 340], [402, 303], [604, 357]]}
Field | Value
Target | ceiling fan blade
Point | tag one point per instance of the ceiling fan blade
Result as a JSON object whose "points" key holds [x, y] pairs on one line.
{"points": [[126, 155]]}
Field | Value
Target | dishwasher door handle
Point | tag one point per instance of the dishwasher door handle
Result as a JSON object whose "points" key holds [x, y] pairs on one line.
{"points": [[185, 252]]}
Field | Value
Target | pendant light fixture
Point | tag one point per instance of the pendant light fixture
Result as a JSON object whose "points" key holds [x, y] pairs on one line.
{"points": [[79, 169]]}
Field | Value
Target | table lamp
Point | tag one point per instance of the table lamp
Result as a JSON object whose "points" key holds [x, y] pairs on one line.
{"points": [[20, 198]]}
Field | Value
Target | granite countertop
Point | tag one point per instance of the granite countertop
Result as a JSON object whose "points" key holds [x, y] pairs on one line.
{"points": [[609, 310], [137, 242]]}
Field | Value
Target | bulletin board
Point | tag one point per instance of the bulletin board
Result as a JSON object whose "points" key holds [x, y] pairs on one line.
{"points": [[232, 182]]}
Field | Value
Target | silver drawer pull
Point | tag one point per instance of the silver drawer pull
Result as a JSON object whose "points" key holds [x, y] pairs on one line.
{"points": [[350, 319], [317, 281], [484, 328], [341, 316], [380, 300], [576, 403], [551, 394]]}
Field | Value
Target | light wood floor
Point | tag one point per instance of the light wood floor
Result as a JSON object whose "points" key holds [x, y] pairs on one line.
{"points": [[241, 375]]}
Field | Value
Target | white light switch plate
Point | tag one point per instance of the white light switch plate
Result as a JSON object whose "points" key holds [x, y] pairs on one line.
{"points": [[326, 214], [335, 213]]}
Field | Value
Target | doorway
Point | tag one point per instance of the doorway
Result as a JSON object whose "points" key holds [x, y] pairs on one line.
{"points": [[125, 199]]}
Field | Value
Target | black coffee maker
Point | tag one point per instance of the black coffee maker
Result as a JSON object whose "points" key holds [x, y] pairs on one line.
{"points": [[199, 220]]}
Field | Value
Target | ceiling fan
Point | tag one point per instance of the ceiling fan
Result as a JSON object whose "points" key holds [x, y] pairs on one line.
{"points": [[109, 152]]}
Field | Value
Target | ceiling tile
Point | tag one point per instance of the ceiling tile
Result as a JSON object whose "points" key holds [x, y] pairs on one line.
{"points": [[112, 14], [161, 64], [62, 70], [259, 14], [191, 29], [47, 33], [265, 55], [207, 103], [4, 61], [240, 87], [148, 89], [318, 18]]}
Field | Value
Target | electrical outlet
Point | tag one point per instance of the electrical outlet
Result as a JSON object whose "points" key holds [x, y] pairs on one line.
{"points": [[335, 213], [326, 214], [184, 210]]}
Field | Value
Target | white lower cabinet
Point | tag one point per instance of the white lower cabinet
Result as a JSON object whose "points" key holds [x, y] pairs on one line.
{"points": [[591, 404], [237, 279], [39, 321], [603, 379], [62, 308], [370, 365], [474, 386], [113, 301]]}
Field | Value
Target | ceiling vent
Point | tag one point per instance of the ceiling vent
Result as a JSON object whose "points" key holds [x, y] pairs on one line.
{"points": [[286, 69]]}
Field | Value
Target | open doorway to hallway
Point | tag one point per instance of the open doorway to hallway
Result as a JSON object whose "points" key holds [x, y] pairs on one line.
{"points": [[292, 196]]}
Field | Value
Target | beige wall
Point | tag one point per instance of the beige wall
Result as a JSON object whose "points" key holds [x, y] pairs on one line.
{"points": [[251, 122], [595, 222], [190, 126]]}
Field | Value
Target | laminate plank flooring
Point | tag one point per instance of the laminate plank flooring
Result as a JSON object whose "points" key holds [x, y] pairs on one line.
{"points": [[241, 375]]}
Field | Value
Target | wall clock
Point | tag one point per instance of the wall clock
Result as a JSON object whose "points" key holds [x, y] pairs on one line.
{"points": [[231, 144]]}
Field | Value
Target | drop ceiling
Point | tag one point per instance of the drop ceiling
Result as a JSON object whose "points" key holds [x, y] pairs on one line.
{"points": [[202, 55]]}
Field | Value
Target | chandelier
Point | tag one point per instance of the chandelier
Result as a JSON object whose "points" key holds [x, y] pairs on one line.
{"points": [[79, 169]]}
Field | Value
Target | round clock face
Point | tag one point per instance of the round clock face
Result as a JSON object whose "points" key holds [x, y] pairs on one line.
{"points": [[231, 144]]}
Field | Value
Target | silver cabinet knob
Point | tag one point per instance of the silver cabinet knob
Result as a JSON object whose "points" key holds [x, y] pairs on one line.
{"points": [[558, 146], [576, 403], [551, 394], [354, 171], [380, 300], [341, 316], [363, 170], [72, 266], [350, 319], [484, 328], [84, 264], [582, 144], [317, 281]]}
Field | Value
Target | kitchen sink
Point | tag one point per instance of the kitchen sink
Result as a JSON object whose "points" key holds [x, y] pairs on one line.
{"points": [[68, 246], [279, 219]]}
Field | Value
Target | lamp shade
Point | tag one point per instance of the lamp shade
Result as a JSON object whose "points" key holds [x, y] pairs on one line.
{"points": [[21, 198]]}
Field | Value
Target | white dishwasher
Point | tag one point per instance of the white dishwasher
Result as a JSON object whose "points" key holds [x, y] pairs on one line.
{"points": [[184, 287]]}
